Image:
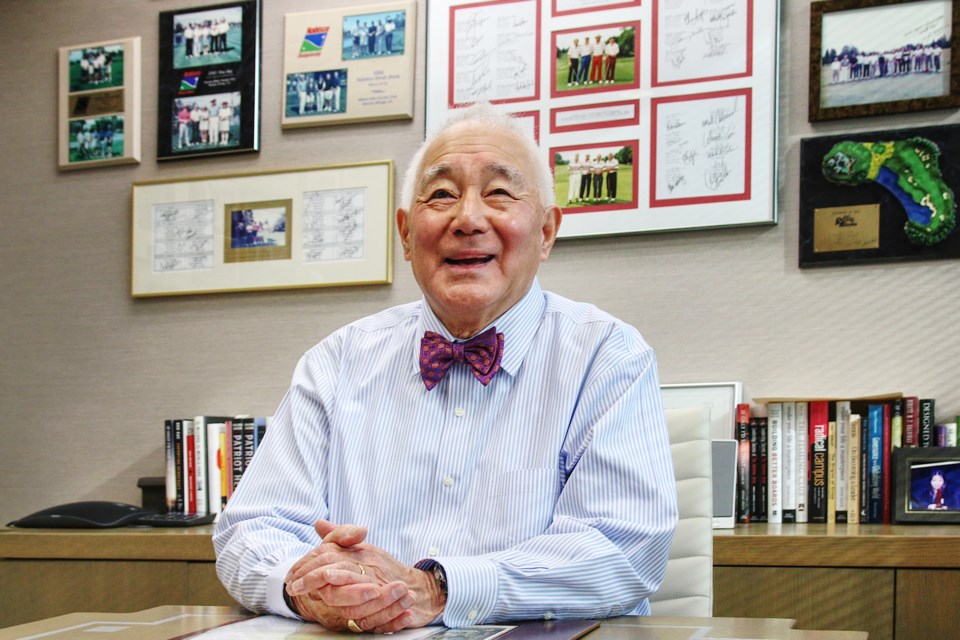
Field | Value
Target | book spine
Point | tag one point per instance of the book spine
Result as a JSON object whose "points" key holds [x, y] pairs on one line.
{"points": [[911, 421], [896, 424], [886, 490], [226, 476], [179, 505], [755, 469], [951, 428], [864, 468], [789, 462], [925, 411], [842, 458], [853, 469], [764, 469], [818, 429], [170, 457], [259, 430], [236, 453], [803, 457], [190, 468], [214, 482], [831, 472], [743, 463], [248, 442], [940, 435], [875, 465], [774, 462], [200, 444]]}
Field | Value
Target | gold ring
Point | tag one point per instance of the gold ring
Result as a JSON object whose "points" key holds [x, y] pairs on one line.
{"points": [[362, 571], [353, 626]]}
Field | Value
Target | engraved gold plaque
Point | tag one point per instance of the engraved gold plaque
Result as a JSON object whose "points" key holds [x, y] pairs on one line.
{"points": [[851, 228]]}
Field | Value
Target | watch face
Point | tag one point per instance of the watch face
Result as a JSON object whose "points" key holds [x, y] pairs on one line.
{"points": [[441, 577]]}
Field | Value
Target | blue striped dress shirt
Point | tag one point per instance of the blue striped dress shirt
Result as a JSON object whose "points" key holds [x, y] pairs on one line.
{"points": [[548, 493]]}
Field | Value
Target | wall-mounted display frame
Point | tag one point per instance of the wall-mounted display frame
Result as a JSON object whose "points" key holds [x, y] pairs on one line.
{"points": [[316, 227], [99, 109], [926, 485], [349, 65], [693, 141], [879, 196], [876, 57], [721, 397], [209, 81]]}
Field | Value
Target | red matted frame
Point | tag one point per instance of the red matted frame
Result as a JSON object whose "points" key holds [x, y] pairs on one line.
{"points": [[614, 4], [711, 127], [452, 53], [631, 204], [701, 16], [600, 88], [535, 116], [633, 106]]}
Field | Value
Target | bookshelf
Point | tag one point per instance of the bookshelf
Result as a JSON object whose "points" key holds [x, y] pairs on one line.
{"points": [[876, 578]]}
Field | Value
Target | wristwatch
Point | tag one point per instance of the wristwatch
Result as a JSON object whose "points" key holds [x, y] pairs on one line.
{"points": [[441, 577]]}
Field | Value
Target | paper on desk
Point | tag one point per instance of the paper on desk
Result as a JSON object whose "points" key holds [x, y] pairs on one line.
{"points": [[280, 628]]}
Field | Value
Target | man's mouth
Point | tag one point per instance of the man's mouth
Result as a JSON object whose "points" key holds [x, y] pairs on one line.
{"points": [[462, 262]]}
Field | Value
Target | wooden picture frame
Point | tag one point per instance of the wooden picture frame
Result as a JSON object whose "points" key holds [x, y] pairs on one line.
{"points": [[315, 227], [876, 57], [98, 120], [915, 487], [349, 65], [209, 81]]}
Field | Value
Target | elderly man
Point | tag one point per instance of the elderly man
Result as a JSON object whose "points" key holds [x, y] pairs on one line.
{"points": [[491, 452]]}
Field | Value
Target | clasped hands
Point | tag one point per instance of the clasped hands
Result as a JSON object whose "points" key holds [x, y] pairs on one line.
{"points": [[346, 583]]}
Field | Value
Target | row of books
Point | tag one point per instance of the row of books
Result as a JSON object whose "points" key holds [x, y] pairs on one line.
{"points": [[205, 458], [828, 461]]}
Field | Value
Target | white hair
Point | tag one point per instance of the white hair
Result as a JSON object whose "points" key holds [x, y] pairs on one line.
{"points": [[483, 113]]}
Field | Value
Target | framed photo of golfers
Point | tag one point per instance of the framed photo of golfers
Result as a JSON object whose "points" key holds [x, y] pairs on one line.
{"points": [[209, 81], [592, 74], [99, 104], [316, 227], [874, 57], [349, 65]]}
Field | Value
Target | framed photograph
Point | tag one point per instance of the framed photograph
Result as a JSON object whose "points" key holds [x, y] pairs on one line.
{"points": [[349, 65], [873, 57], [691, 85], [209, 81], [317, 227], [926, 484], [721, 397], [879, 196], [99, 109]]}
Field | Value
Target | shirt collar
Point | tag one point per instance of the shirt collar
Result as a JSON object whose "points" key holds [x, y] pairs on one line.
{"points": [[518, 325]]}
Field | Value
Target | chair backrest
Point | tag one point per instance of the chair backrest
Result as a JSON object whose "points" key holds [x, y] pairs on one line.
{"points": [[687, 588]]}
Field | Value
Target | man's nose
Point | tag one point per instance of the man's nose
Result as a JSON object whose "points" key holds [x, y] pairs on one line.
{"points": [[471, 214]]}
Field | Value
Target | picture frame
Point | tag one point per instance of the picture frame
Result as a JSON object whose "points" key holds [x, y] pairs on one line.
{"points": [[876, 57], [704, 156], [926, 485], [880, 196], [349, 65], [98, 120], [721, 397], [313, 227], [209, 81]]}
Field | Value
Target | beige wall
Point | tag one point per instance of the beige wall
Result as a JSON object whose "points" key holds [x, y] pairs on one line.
{"points": [[89, 374]]}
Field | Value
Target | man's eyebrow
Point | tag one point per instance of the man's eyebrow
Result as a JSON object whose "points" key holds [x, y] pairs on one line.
{"points": [[506, 171]]}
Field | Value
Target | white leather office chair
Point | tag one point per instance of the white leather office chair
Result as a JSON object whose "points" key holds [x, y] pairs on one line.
{"points": [[687, 588]]}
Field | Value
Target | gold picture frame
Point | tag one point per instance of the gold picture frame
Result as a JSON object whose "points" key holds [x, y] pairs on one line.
{"points": [[98, 121], [314, 227]]}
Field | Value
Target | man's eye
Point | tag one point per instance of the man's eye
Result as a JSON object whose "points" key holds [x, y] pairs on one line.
{"points": [[499, 191], [440, 194]]}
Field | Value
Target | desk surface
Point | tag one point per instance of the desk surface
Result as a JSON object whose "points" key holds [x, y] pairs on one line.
{"points": [[170, 622]]}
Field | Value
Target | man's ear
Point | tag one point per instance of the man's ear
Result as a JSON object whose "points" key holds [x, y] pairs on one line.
{"points": [[403, 226], [553, 215]]}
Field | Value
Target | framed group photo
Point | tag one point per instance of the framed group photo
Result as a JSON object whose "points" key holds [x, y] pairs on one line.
{"points": [[209, 81], [873, 57], [316, 227], [349, 65], [99, 104]]}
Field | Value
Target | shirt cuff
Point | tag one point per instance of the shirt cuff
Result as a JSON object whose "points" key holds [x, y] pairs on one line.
{"points": [[275, 588], [471, 589]]}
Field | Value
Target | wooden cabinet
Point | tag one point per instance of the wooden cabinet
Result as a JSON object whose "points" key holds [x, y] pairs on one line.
{"points": [[895, 582], [881, 579]]}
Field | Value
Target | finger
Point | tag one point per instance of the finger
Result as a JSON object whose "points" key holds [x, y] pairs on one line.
{"points": [[345, 535], [393, 599], [399, 623], [314, 560], [341, 574]]}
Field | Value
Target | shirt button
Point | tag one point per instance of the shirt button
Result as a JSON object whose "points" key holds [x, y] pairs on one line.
{"points": [[472, 615], [548, 615], [447, 481], [459, 412], [433, 551]]}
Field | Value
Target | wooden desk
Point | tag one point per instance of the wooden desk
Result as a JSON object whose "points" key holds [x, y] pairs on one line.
{"points": [[167, 622]]}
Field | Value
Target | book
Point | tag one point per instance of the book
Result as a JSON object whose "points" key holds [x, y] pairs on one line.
{"points": [[205, 485], [841, 472], [788, 463], [774, 462], [818, 413], [911, 421], [763, 473], [214, 428], [754, 469], [223, 459], [875, 464], [170, 458], [887, 466], [896, 423], [864, 465], [853, 471], [189, 468], [803, 456], [831, 472], [236, 452], [179, 504], [259, 430], [743, 462], [925, 408]]}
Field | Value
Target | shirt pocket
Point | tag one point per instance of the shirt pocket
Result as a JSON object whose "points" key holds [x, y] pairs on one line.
{"points": [[522, 503]]}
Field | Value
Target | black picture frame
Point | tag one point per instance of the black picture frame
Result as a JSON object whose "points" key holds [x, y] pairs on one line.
{"points": [[209, 64], [882, 31], [913, 482], [823, 200]]}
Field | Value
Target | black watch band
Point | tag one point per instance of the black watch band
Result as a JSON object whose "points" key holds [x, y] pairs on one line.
{"points": [[440, 576]]}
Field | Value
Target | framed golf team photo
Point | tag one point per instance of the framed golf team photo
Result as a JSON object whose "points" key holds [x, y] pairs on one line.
{"points": [[926, 485], [209, 81], [873, 57], [349, 65], [696, 79], [315, 227], [99, 104]]}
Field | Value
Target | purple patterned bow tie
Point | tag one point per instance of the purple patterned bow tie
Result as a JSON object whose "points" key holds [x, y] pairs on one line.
{"points": [[482, 353]]}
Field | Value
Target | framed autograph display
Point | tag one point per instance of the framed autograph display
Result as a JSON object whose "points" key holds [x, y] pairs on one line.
{"points": [[657, 115], [209, 81]]}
